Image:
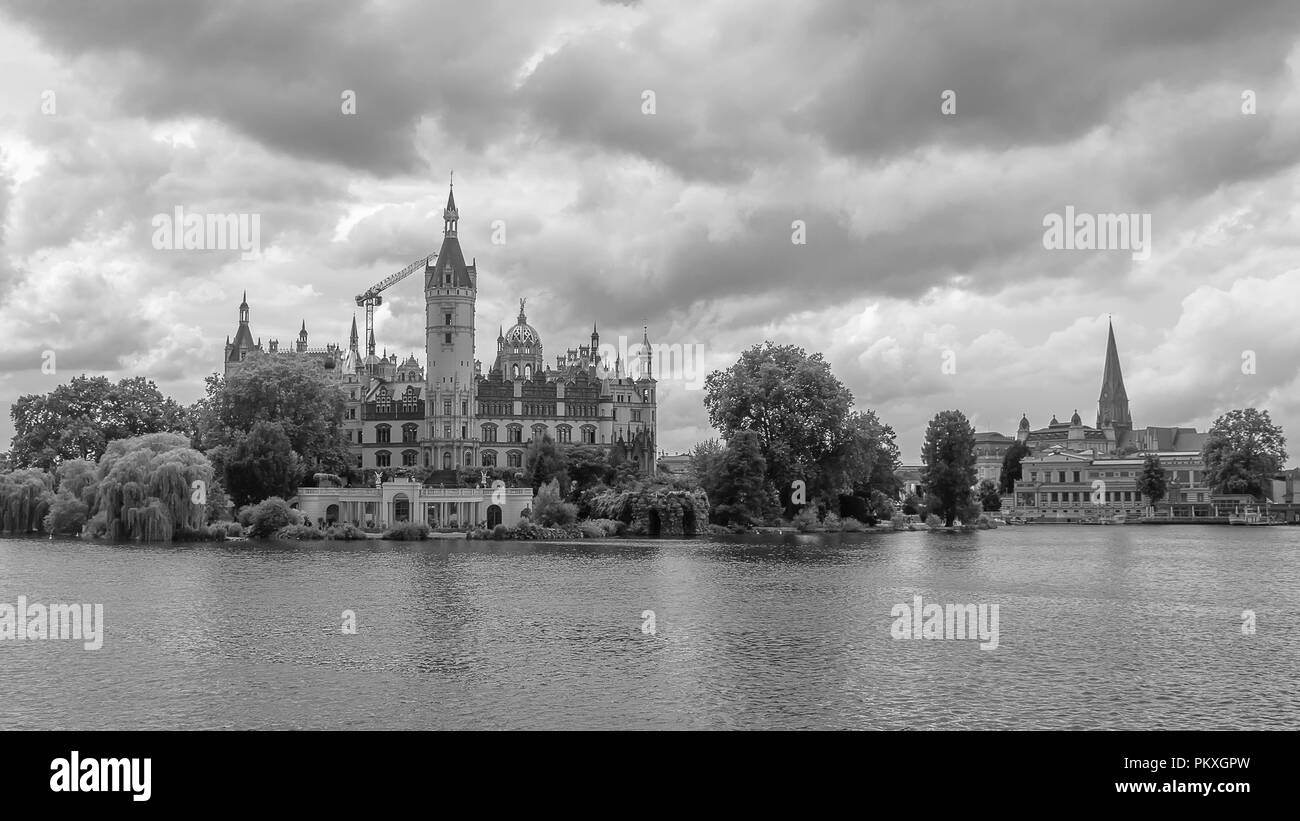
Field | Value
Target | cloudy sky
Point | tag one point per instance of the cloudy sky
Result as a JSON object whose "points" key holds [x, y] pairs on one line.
{"points": [[924, 229]]}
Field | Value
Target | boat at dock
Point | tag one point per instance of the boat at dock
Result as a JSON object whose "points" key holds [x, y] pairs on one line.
{"points": [[1252, 517]]}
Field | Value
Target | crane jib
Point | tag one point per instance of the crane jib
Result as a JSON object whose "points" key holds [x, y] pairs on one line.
{"points": [[394, 278]]}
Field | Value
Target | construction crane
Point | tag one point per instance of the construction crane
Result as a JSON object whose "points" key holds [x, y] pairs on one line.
{"points": [[371, 297]]}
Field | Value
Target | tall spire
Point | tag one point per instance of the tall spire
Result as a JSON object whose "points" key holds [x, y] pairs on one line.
{"points": [[1112, 404], [243, 310], [449, 214], [352, 340]]}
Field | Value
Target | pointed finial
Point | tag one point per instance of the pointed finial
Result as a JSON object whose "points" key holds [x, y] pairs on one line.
{"points": [[452, 184]]}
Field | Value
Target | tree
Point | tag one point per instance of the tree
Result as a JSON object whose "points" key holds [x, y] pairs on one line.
{"points": [[1151, 482], [67, 515], [1243, 451], [949, 457], [791, 402], [549, 507], [78, 478], [735, 482], [289, 390], [546, 464], [989, 496], [1011, 466], [867, 456], [25, 498], [79, 419], [261, 465], [586, 465], [146, 488]]}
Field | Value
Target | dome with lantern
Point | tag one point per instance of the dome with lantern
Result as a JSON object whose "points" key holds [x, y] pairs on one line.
{"points": [[521, 334]]}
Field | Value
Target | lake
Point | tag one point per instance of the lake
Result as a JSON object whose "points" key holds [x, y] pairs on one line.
{"points": [[1130, 627]]}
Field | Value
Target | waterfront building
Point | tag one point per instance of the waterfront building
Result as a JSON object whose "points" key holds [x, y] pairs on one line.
{"points": [[403, 499], [1068, 457]]}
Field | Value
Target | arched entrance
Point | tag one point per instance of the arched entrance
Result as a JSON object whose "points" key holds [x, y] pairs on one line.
{"points": [[401, 508], [688, 522], [332, 514], [493, 515], [652, 523], [431, 515]]}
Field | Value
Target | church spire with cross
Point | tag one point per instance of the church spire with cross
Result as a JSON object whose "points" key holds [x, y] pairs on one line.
{"points": [[1112, 403]]}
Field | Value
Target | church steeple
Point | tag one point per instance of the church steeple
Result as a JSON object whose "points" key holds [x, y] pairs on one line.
{"points": [[1112, 404], [352, 340]]}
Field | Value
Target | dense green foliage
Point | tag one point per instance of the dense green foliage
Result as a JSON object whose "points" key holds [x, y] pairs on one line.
{"points": [[79, 419], [948, 454], [1152, 482], [1011, 460], [1243, 451]]}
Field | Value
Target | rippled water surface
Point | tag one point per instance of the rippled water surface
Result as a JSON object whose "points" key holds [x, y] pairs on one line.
{"points": [[1099, 628]]}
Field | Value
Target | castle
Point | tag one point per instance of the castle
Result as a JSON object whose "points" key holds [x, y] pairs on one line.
{"points": [[452, 415]]}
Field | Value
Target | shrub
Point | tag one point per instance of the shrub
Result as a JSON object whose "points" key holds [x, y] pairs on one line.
{"points": [[832, 523], [852, 525], [933, 522], [217, 531], [591, 531], [299, 533], [899, 521], [806, 520], [408, 532], [344, 532], [525, 530], [269, 516], [97, 527], [549, 509], [234, 529], [611, 527], [500, 532]]}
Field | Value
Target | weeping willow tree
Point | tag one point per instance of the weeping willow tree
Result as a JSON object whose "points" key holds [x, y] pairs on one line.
{"points": [[655, 509], [146, 487], [25, 497]]}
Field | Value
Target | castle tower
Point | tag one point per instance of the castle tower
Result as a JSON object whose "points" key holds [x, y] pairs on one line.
{"points": [[450, 293], [302, 338], [242, 345], [1112, 404]]}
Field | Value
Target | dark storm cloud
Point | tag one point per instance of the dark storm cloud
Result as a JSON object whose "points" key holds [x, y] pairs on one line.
{"points": [[276, 71], [1026, 72]]}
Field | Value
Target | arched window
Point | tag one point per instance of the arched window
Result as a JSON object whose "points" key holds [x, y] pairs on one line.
{"points": [[409, 458], [515, 459], [489, 433], [515, 370], [446, 460], [489, 458], [515, 433], [383, 434], [563, 433], [410, 432], [539, 431], [528, 372], [588, 434], [469, 458], [383, 458]]}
